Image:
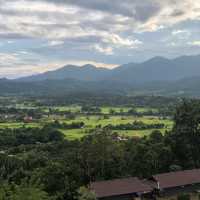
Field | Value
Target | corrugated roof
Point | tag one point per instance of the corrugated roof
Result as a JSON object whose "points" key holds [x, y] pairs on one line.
{"points": [[180, 178], [119, 187]]}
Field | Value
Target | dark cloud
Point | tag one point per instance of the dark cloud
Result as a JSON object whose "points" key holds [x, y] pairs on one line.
{"points": [[177, 13], [140, 10], [144, 12], [8, 36]]}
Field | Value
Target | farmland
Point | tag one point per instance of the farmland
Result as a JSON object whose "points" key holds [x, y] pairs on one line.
{"points": [[93, 121], [91, 117]]}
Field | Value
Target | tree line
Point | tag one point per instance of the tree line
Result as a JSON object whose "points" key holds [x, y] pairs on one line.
{"points": [[136, 125]]}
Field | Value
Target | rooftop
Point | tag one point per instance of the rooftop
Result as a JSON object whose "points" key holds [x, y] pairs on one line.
{"points": [[126, 186], [176, 179], [118, 187]]}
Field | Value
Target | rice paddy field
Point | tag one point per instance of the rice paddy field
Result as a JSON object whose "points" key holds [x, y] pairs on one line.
{"points": [[92, 121]]}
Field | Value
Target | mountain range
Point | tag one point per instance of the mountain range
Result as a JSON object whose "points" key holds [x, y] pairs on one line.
{"points": [[155, 69], [160, 76]]}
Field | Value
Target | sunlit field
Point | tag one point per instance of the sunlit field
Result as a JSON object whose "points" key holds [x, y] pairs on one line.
{"points": [[107, 116]]}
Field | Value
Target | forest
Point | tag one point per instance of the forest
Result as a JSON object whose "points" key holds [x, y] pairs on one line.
{"points": [[40, 162]]}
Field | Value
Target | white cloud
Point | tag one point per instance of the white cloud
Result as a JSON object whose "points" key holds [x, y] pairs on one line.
{"points": [[10, 42], [7, 59], [36, 6], [50, 19], [14, 66], [104, 50], [195, 43], [177, 32], [121, 42], [181, 34], [55, 43]]}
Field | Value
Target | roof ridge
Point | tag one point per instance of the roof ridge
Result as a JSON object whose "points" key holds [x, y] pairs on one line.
{"points": [[175, 172], [117, 179]]}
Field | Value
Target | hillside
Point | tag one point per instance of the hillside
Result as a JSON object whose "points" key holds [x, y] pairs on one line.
{"points": [[159, 69], [155, 69], [157, 76], [60, 87], [84, 73]]}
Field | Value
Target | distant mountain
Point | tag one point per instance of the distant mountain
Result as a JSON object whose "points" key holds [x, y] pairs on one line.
{"points": [[155, 69], [183, 87], [84, 73], [157, 76], [159, 69], [61, 87]]}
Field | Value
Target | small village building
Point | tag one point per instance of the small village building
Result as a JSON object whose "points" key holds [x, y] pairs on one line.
{"points": [[28, 119], [181, 185], [175, 185], [126, 189]]}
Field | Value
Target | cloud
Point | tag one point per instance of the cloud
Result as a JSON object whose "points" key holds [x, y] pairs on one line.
{"points": [[14, 65], [121, 42], [55, 43], [27, 70], [181, 34], [77, 18], [104, 50], [195, 43], [177, 32], [102, 29], [7, 59]]}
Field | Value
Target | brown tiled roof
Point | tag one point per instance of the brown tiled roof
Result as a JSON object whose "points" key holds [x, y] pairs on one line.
{"points": [[180, 178], [119, 187]]}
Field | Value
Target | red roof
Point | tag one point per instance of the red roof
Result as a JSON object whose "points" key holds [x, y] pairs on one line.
{"points": [[176, 179], [119, 187]]}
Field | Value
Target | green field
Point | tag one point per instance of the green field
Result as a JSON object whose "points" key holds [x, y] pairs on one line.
{"points": [[73, 108], [14, 125], [104, 109], [92, 121]]}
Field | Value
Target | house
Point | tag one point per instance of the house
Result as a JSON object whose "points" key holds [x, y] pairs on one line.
{"points": [[126, 188], [172, 185], [28, 119], [181, 185]]}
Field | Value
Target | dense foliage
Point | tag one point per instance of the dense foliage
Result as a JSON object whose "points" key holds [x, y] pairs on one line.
{"points": [[41, 163], [136, 125]]}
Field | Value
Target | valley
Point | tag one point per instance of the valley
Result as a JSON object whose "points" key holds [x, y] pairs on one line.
{"points": [[99, 100], [90, 117]]}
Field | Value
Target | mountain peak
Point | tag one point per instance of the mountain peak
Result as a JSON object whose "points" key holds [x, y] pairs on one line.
{"points": [[158, 59], [155, 69], [89, 66]]}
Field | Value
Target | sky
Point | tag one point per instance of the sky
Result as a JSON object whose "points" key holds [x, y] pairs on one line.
{"points": [[42, 35]]}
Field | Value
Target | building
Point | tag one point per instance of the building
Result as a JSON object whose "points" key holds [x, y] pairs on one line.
{"points": [[173, 185], [28, 119], [126, 188], [181, 185]]}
